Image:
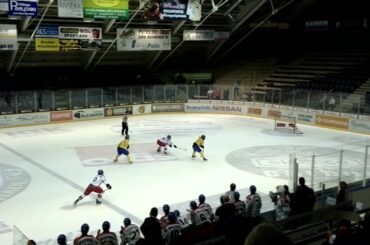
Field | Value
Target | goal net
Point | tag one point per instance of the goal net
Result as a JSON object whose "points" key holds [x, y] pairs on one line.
{"points": [[286, 122]]}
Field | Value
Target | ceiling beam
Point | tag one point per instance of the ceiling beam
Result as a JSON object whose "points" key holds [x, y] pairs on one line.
{"points": [[90, 59], [247, 14], [25, 23], [108, 25], [12, 59]]}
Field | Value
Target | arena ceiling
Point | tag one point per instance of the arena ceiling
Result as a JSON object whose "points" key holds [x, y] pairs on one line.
{"points": [[236, 17]]}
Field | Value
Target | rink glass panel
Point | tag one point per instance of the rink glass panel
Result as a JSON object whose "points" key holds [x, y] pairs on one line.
{"points": [[78, 98], [30, 101]]}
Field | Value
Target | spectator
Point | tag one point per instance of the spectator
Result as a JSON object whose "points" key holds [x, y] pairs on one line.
{"points": [[210, 93], [226, 94], [363, 232], [254, 204], [230, 193], [331, 103], [106, 237], [236, 88], [267, 234], [151, 228], [304, 198], [84, 238], [343, 199], [62, 239], [130, 234]]}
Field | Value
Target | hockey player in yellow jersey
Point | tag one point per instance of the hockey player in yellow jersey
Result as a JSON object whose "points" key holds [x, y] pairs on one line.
{"points": [[122, 149], [198, 146]]}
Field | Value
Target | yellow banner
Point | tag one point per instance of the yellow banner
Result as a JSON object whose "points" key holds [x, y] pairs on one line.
{"points": [[47, 44]]}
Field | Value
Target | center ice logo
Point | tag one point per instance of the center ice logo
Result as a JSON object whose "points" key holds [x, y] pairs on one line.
{"points": [[273, 161], [13, 180]]}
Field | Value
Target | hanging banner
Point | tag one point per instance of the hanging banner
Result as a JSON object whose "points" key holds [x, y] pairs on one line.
{"points": [[70, 8], [174, 9], [23, 7], [143, 39], [46, 38], [8, 37], [199, 35], [194, 10], [106, 9], [47, 31], [47, 44], [75, 38], [4, 6]]}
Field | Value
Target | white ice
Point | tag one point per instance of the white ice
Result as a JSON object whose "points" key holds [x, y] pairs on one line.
{"points": [[48, 154]]}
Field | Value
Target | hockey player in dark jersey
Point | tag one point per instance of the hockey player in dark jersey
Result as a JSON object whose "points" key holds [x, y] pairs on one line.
{"points": [[106, 237], [84, 238]]}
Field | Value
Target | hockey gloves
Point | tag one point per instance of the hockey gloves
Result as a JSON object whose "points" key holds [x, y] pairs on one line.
{"points": [[175, 146], [109, 186]]}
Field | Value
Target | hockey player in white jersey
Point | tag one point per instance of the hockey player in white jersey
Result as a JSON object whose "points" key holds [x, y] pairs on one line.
{"points": [[172, 231], [164, 142], [198, 216], [130, 234], [94, 186]]}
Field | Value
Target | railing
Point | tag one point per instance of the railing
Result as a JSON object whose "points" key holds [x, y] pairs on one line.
{"points": [[34, 101]]}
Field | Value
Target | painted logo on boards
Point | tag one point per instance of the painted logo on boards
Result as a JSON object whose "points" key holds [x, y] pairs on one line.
{"points": [[13, 180], [273, 161]]}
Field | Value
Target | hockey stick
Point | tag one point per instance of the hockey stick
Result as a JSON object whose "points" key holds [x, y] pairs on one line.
{"points": [[184, 149]]}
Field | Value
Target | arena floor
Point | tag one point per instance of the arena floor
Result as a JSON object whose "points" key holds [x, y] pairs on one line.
{"points": [[45, 168]]}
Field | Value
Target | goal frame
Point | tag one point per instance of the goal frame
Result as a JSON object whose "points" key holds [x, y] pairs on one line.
{"points": [[285, 121]]}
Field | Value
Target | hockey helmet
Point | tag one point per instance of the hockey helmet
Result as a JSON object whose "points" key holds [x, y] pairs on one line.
{"points": [[236, 196], [203, 137], [127, 137], [127, 221], [169, 137], [62, 239], [100, 172], [106, 226], [166, 208], [85, 229], [193, 205], [172, 217], [201, 198]]}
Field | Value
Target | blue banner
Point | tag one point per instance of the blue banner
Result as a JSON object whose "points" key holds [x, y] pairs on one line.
{"points": [[174, 9], [23, 7], [47, 31]]}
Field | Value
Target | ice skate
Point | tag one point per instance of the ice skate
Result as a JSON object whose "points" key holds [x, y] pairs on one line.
{"points": [[77, 200], [158, 150], [205, 159], [98, 202]]}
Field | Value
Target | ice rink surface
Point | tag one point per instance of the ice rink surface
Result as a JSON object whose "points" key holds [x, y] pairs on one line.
{"points": [[44, 168]]}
